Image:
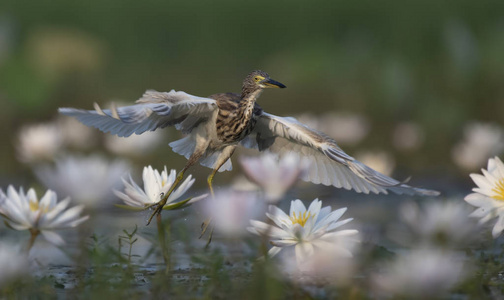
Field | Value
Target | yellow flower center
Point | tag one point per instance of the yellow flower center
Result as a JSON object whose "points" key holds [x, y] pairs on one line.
{"points": [[499, 190], [34, 206], [301, 218]]}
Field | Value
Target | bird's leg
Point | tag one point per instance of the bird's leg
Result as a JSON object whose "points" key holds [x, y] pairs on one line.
{"points": [[206, 222], [225, 155], [209, 181]]}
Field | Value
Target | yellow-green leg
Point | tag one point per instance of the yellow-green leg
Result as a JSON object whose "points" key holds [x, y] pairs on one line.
{"points": [[207, 222], [225, 155], [209, 181]]}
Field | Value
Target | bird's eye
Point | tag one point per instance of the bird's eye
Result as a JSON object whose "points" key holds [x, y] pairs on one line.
{"points": [[257, 78]]}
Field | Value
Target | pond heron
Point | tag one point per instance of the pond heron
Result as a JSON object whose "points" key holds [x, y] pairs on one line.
{"points": [[216, 125]]}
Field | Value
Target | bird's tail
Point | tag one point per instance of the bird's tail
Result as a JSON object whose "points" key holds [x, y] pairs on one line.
{"points": [[186, 146]]}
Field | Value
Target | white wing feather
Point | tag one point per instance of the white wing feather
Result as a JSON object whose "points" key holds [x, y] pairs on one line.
{"points": [[154, 110], [329, 165]]}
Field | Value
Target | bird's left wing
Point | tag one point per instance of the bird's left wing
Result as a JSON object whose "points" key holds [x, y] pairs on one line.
{"points": [[154, 110], [329, 165]]}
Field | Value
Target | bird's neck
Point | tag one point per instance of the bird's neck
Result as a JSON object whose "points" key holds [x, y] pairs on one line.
{"points": [[250, 95], [248, 99]]}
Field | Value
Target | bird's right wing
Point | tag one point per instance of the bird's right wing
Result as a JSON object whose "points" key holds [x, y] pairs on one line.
{"points": [[154, 110], [329, 164]]}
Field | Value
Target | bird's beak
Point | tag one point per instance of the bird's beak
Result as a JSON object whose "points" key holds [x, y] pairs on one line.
{"points": [[273, 84]]}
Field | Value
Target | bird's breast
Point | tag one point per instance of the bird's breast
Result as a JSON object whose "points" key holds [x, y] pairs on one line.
{"points": [[234, 126]]}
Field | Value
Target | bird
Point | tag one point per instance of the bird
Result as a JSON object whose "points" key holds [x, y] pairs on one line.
{"points": [[216, 125]]}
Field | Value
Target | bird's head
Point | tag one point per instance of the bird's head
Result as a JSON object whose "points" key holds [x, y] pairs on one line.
{"points": [[260, 80]]}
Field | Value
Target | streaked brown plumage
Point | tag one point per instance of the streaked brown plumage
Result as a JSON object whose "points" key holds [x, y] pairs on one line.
{"points": [[216, 125], [235, 119]]}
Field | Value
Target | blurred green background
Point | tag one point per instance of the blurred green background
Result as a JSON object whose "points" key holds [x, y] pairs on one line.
{"points": [[439, 64]]}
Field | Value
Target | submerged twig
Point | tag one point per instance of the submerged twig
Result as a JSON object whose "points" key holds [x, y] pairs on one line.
{"points": [[34, 233]]}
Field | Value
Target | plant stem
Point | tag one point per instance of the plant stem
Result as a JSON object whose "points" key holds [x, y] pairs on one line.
{"points": [[34, 233], [162, 241], [129, 253]]}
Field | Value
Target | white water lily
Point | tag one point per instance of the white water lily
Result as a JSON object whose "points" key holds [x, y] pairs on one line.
{"points": [[75, 134], [134, 145], [273, 174], [305, 229], [481, 140], [39, 142], [155, 186], [408, 136], [440, 224], [231, 211], [381, 161], [25, 212], [489, 195], [345, 127], [87, 180], [328, 266], [421, 273]]}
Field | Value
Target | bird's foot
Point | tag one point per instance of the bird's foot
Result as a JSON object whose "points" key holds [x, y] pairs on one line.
{"points": [[158, 207], [204, 226], [164, 197], [157, 210]]}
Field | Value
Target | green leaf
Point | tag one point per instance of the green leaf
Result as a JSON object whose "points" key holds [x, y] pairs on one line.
{"points": [[8, 225], [178, 205], [127, 207], [173, 206], [59, 285], [5, 216]]}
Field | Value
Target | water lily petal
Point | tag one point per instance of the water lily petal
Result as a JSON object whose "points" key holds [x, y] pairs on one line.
{"points": [[335, 225], [297, 206], [331, 217], [274, 251], [303, 251], [62, 220], [263, 228], [481, 182], [481, 212], [53, 237], [477, 199], [188, 182], [499, 226], [283, 243]]}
